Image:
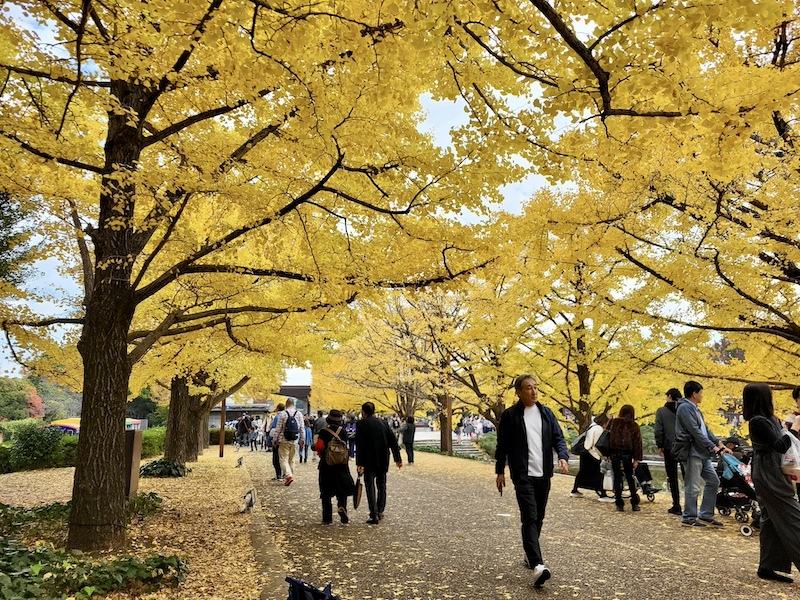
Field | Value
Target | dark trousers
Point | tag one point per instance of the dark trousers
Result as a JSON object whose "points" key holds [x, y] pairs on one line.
{"points": [[622, 465], [532, 494], [375, 482], [276, 462], [410, 452], [327, 509], [671, 466]]}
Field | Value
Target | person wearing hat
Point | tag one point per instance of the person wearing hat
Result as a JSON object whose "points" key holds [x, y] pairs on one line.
{"points": [[335, 479]]}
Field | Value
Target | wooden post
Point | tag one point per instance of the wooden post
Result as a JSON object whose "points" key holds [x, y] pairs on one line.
{"points": [[222, 429], [448, 419]]}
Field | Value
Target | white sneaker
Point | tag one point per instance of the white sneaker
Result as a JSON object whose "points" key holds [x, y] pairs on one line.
{"points": [[605, 499], [576, 495], [540, 575]]}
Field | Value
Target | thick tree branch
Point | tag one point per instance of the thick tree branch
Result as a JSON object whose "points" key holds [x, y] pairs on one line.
{"points": [[47, 156]]}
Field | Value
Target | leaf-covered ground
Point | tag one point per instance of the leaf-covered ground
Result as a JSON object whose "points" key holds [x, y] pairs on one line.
{"points": [[199, 522], [447, 534]]}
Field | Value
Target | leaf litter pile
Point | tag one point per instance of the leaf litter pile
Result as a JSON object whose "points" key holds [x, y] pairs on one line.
{"points": [[199, 521]]}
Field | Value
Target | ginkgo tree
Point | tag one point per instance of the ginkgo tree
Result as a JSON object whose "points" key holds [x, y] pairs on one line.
{"points": [[170, 142]]}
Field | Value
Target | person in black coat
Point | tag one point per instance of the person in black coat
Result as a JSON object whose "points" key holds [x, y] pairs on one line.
{"points": [[527, 436], [334, 480], [374, 440], [408, 430]]}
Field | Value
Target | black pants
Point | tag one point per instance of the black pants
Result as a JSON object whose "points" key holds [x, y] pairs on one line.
{"points": [[375, 482], [410, 452], [671, 466], [622, 465], [276, 462], [532, 494], [327, 509]]}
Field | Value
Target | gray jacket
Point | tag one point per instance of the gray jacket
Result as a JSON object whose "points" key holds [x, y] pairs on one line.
{"points": [[664, 429], [689, 424]]}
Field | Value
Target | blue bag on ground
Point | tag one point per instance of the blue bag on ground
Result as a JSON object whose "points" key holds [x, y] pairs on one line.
{"points": [[300, 590]]}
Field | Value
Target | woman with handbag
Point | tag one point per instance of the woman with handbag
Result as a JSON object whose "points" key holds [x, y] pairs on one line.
{"points": [[335, 479], [780, 511], [589, 476], [625, 439]]}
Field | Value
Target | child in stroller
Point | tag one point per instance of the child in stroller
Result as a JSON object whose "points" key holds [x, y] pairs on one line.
{"points": [[738, 495]]}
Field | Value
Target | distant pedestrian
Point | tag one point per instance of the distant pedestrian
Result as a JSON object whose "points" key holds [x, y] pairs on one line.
{"points": [[407, 431], [527, 436], [290, 434], [780, 511], [319, 424], [664, 431], [350, 427], [303, 451], [273, 436], [374, 441]]}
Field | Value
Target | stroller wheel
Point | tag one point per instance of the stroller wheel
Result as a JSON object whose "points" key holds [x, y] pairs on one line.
{"points": [[746, 530], [651, 497], [742, 517], [724, 511]]}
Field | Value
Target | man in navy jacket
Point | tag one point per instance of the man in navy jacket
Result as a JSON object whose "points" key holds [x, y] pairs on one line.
{"points": [[527, 436]]}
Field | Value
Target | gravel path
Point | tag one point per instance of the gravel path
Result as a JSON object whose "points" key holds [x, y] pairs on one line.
{"points": [[448, 534]]}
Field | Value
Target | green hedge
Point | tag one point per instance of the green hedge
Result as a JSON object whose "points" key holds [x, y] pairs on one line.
{"points": [[35, 447], [488, 443], [214, 436], [9, 428], [5, 459], [153, 442]]}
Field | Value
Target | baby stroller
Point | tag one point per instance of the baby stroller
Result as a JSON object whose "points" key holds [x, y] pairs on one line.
{"points": [[644, 481], [300, 590], [737, 495]]}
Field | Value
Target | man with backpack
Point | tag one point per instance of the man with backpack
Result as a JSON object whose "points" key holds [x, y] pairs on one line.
{"points": [[290, 432]]}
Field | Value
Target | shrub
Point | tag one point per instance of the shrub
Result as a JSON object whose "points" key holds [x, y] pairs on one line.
{"points": [[5, 459], [153, 442], [488, 443], [164, 468], [44, 572], [142, 506], [214, 436], [9, 428], [33, 446], [65, 456]]}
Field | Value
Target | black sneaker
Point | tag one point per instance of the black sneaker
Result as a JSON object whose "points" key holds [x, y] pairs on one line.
{"points": [[635, 508], [675, 510], [693, 524], [373, 521], [712, 522], [343, 515]]}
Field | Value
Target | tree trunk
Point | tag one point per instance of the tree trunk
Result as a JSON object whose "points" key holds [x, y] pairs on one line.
{"points": [[202, 434], [97, 520], [178, 422]]}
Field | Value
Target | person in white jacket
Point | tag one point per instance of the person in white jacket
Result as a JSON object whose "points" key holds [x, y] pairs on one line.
{"points": [[589, 476]]}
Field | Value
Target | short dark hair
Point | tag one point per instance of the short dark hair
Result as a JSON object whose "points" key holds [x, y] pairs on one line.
{"points": [[674, 393], [601, 420], [757, 401], [627, 412], [520, 380], [796, 392], [690, 388], [368, 408], [281, 406]]}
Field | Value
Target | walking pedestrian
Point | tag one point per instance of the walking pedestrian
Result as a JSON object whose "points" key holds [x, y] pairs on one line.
{"points": [[374, 441], [408, 430], [589, 476], [290, 434], [273, 436], [780, 511], [527, 436], [335, 480]]}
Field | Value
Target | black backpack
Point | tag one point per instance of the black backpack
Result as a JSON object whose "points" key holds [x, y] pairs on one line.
{"points": [[291, 430]]}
